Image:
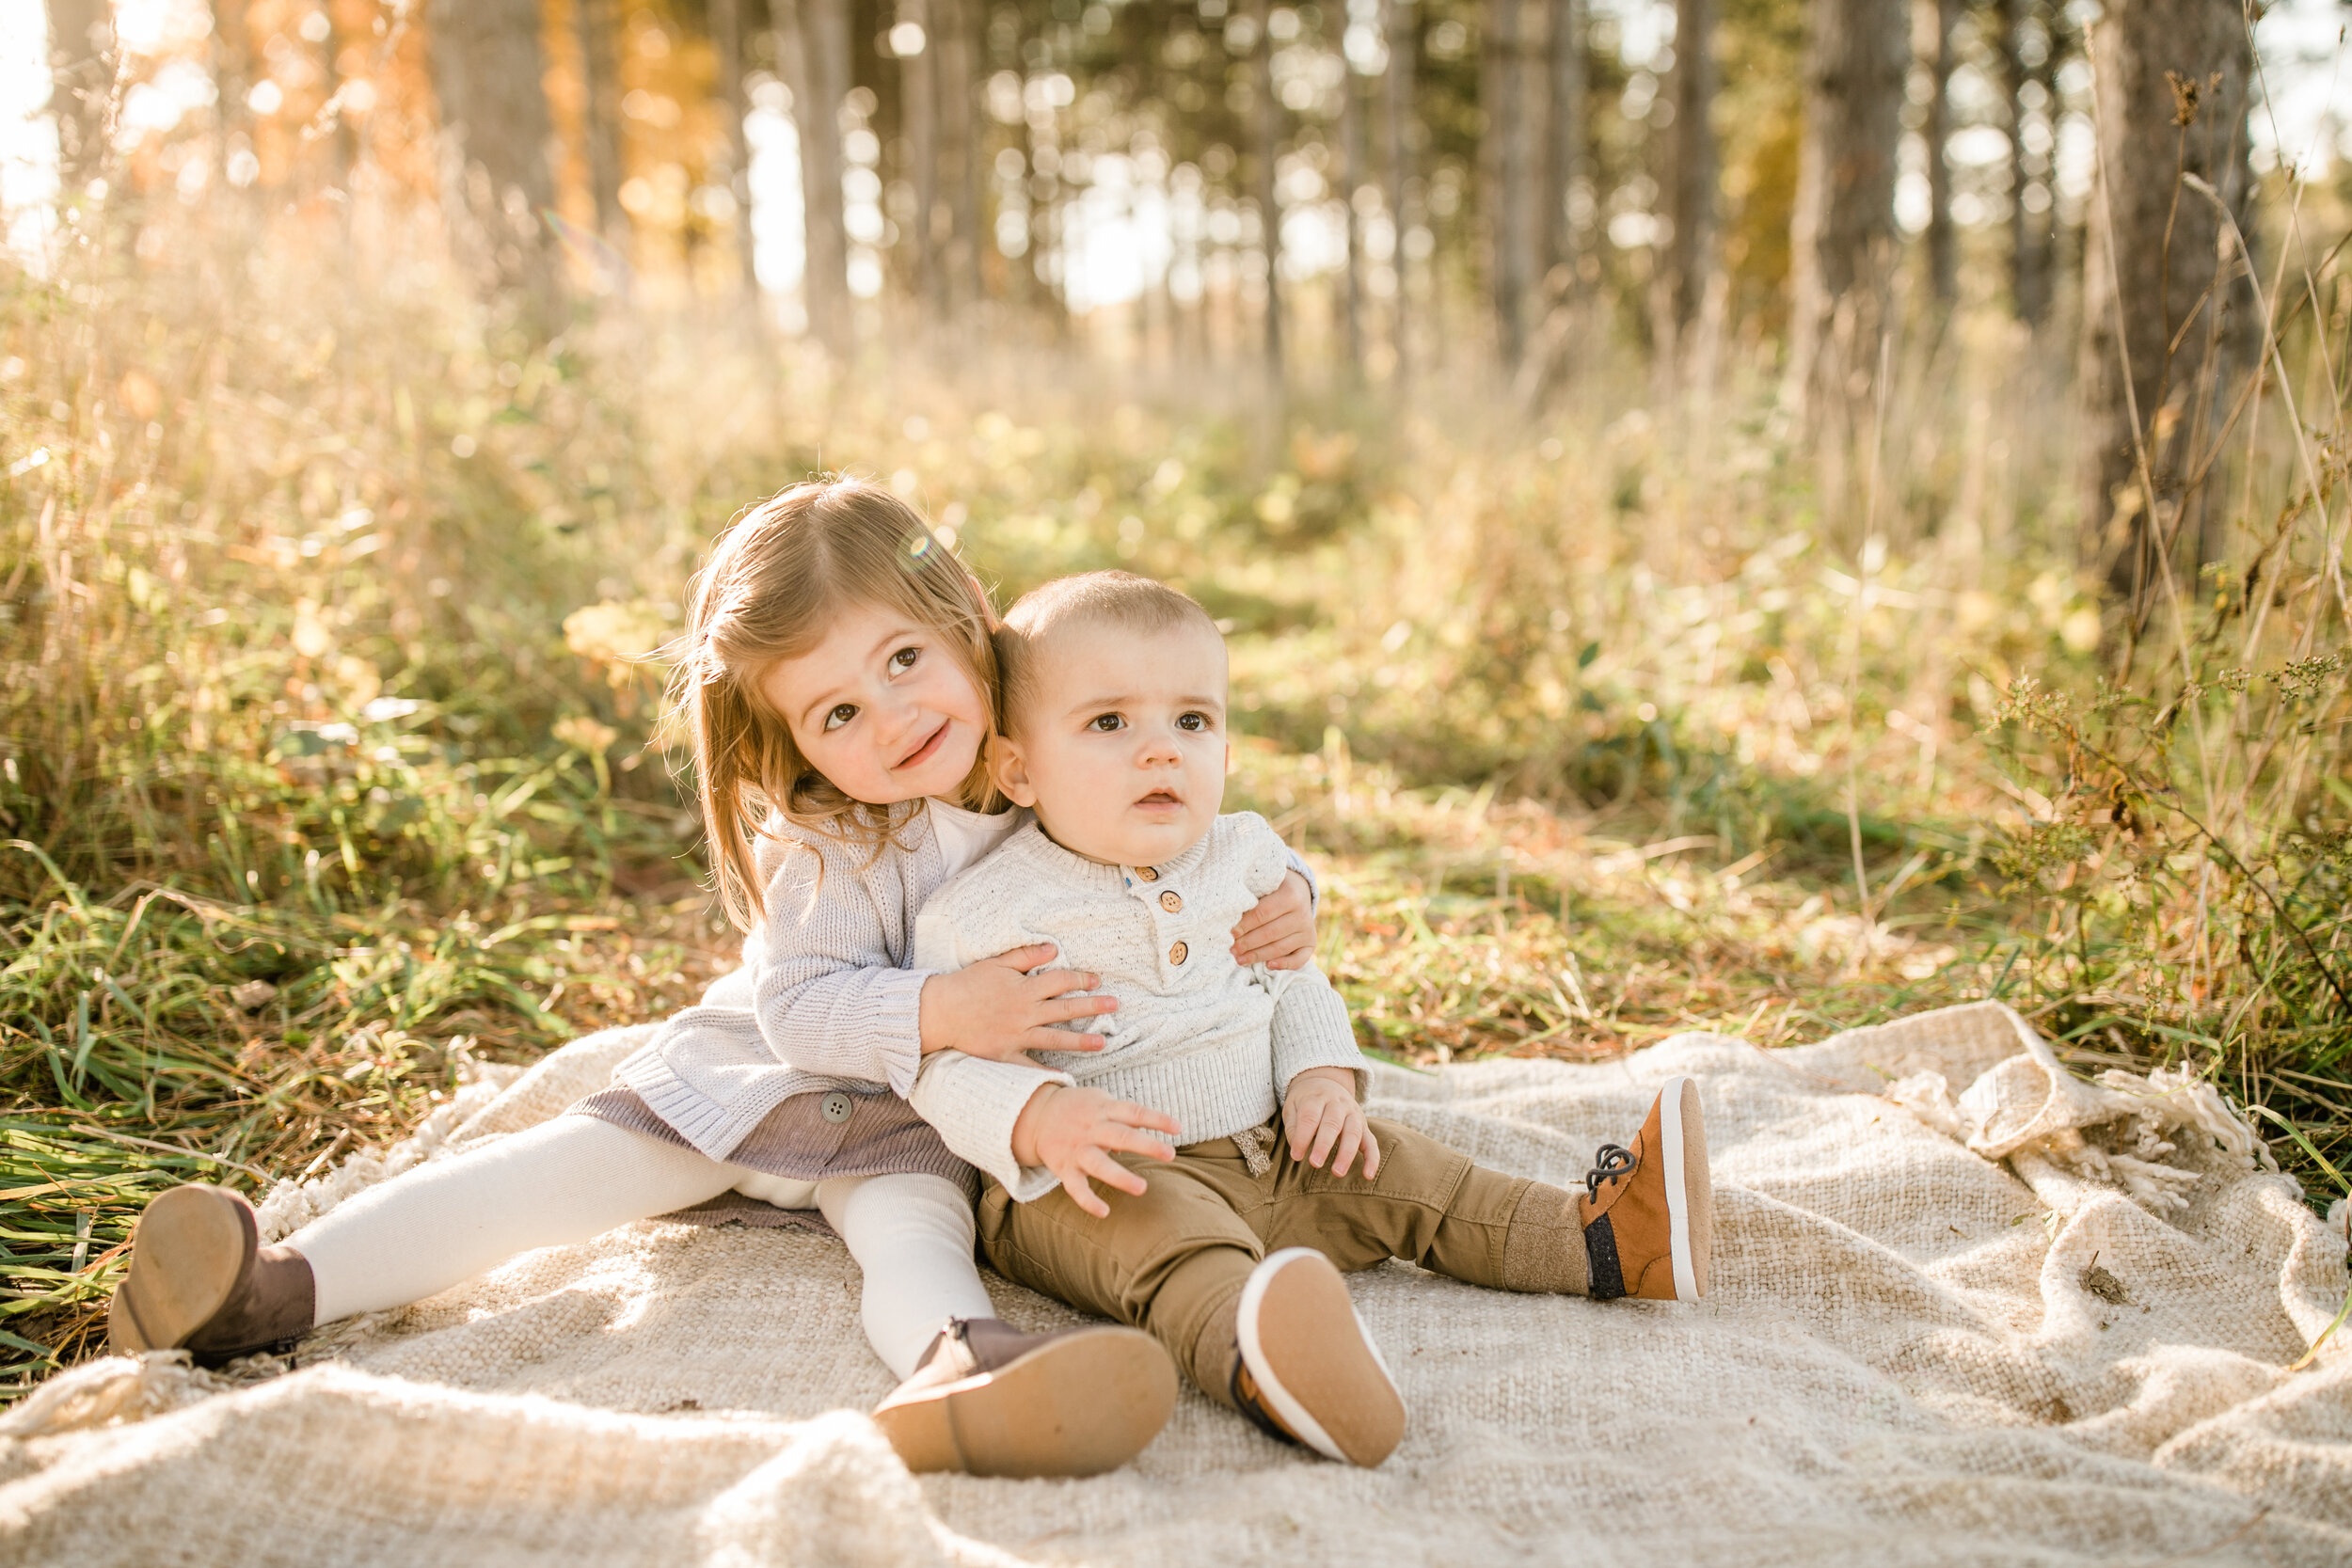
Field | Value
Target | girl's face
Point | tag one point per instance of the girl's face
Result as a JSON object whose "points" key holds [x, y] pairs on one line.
{"points": [[881, 707]]}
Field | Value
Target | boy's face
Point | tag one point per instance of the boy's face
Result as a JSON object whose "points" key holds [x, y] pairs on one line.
{"points": [[1121, 747]]}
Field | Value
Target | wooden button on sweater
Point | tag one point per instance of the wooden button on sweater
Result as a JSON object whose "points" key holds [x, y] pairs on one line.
{"points": [[1147, 874], [1170, 902], [1176, 954]]}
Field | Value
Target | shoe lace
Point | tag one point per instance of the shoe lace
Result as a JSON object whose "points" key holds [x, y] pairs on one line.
{"points": [[1610, 1162]]}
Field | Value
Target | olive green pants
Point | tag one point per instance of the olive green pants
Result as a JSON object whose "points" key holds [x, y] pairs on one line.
{"points": [[1173, 1261]]}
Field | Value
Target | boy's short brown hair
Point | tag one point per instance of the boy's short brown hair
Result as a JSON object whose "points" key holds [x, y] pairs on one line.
{"points": [[1119, 600]]}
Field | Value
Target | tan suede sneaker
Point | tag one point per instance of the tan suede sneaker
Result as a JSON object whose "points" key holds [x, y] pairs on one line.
{"points": [[1649, 1209], [1308, 1373], [988, 1399], [200, 1279]]}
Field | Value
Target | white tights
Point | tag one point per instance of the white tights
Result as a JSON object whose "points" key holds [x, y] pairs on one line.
{"points": [[576, 1177]]}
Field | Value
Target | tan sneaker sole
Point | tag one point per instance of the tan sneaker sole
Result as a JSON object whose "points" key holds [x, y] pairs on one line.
{"points": [[187, 1253], [1315, 1365], [1690, 1192], [1082, 1404]]}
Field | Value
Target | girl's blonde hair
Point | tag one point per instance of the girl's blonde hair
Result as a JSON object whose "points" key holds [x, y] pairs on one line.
{"points": [[773, 584]]}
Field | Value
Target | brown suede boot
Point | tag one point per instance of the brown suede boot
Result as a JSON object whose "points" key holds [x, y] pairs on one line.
{"points": [[200, 1280], [988, 1399], [1649, 1210]]}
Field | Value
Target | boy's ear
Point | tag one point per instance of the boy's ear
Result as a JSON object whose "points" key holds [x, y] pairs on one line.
{"points": [[1010, 772]]}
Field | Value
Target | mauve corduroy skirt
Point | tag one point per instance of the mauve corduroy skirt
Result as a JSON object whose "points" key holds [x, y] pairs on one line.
{"points": [[881, 1136]]}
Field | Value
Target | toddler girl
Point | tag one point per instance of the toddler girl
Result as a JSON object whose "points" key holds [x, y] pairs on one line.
{"points": [[838, 682]]}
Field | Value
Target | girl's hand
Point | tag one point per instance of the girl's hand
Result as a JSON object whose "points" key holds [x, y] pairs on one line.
{"points": [[1001, 1008], [1279, 932], [1072, 1132], [1321, 1117]]}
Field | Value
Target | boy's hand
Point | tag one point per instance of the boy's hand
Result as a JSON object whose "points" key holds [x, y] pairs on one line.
{"points": [[1000, 1008], [1279, 932], [1320, 1116], [1070, 1131]]}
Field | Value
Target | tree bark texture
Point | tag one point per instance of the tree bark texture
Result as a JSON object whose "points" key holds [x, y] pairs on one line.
{"points": [[1352, 161], [488, 74], [1691, 162], [960, 146], [1265, 143], [918, 76], [1842, 233], [817, 54], [2170, 80], [1567, 157], [80, 75], [597, 26], [726, 43], [1505, 150], [2034, 258], [1942, 247], [1400, 29]]}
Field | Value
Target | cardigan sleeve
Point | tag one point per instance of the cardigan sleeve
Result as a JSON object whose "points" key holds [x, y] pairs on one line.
{"points": [[827, 993]]}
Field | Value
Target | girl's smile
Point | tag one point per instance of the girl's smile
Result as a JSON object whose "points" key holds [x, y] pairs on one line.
{"points": [[930, 745]]}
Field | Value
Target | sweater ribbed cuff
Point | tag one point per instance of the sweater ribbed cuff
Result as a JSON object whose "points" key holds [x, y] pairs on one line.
{"points": [[974, 1103], [1314, 889]]}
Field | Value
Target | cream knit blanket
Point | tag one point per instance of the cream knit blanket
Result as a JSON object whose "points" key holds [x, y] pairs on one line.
{"points": [[1966, 1312]]}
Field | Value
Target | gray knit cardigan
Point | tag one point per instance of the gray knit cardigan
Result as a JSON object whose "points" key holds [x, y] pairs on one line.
{"points": [[1195, 1035], [825, 998]]}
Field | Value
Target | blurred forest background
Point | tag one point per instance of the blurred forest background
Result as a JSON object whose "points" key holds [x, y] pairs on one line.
{"points": [[1758, 515]]}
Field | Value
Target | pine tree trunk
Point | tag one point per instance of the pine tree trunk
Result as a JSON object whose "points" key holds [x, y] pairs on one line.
{"points": [[2038, 262], [918, 75], [1565, 114], [817, 54], [488, 74], [1690, 185], [1943, 249], [1352, 159], [727, 41], [1265, 142], [1842, 232], [233, 65], [2009, 43], [961, 145], [2170, 80], [1401, 31], [597, 26], [1503, 149], [81, 75]]}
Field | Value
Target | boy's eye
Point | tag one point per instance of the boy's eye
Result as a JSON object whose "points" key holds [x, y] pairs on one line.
{"points": [[1106, 723], [1193, 722], [841, 714], [903, 661]]}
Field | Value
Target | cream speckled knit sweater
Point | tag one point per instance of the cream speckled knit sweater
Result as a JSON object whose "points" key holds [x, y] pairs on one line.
{"points": [[1195, 1035]]}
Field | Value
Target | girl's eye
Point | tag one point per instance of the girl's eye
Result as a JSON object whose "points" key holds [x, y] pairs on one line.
{"points": [[1106, 723], [841, 714], [1193, 722], [903, 661]]}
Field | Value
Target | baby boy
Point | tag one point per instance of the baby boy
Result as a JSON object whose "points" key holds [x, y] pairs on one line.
{"points": [[1223, 1111]]}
